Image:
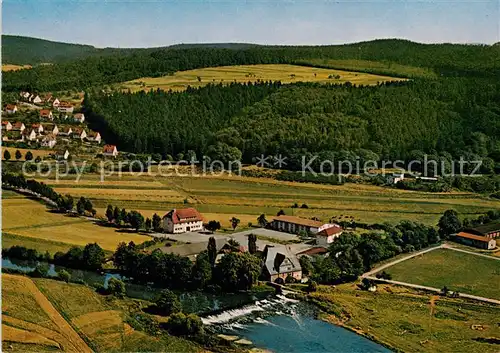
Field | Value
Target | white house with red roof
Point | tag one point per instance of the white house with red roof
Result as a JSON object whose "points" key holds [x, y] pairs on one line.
{"points": [[18, 126], [79, 118], [326, 236], [65, 107], [6, 125], [56, 103], [182, 221], [11, 109], [46, 114], [110, 151]]}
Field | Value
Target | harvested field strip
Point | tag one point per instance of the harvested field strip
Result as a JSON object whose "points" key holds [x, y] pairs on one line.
{"points": [[13, 334], [72, 341], [63, 223], [9, 239], [104, 328]]}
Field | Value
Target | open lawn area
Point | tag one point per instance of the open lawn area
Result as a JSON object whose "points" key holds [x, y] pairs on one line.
{"points": [[25, 220], [223, 197], [180, 80], [465, 273], [412, 321]]}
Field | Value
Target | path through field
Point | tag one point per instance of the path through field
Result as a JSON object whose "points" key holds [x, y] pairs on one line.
{"points": [[66, 336]]}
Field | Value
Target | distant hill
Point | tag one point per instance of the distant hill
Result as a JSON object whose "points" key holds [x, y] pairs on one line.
{"points": [[21, 50]]}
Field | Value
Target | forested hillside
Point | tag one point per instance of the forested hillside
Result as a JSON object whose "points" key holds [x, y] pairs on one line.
{"points": [[447, 118], [444, 59]]}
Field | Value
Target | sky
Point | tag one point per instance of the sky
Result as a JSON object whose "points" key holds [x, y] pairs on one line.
{"points": [[159, 23]]}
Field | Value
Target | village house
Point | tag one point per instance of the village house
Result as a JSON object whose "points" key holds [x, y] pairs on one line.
{"points": [[61, 154], [182, 220], [36, 99], [65, 107], [49, 141], [18, 126], [79, 133], [328, 235], [280, 263], [50, 129], [66, 131], [109, 151], [489, 230], [6, 125], [93, 136], [37, 127], [46, 114], [11, 109], [292, 224], [47, 98], [79, 118], [477, 241], [395, 178], [30, 135], [56, 103], [25, 95]]}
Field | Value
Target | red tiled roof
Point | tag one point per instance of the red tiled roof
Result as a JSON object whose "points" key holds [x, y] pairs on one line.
{"points": [[184, 215], [45, 112], [314, 251], [297, 220], [473, 237], [17, 124], [330, 231], [109, 148], [10, 106], [65, 105], [5, 122]]}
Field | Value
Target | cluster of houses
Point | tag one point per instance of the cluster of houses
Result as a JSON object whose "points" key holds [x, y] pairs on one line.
{"points": [[280, 261], [46, 133]]}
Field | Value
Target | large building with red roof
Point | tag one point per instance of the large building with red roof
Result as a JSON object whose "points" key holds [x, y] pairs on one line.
{"points": [[183, 220]]}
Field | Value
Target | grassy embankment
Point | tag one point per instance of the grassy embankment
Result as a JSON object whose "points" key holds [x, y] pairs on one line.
{"points": [[412, 321], [180, 80], [458, 271], [43, 315]]}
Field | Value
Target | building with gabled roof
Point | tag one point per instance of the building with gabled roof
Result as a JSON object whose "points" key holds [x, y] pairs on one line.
{"points": [[292, 224], [109, 151], [6, 125], [46, 114], [182, 220], [11, 108], [489, 230], [477, 241], [280, 262], [79, 118], [18, 126], [328, 235], [65, 107]]}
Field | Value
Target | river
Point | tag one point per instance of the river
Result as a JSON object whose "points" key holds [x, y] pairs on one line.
{"points": [[276, 323]]}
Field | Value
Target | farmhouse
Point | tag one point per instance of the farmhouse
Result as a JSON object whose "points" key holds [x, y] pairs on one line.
{"points": [[50, 129], [37, 127], [79, 133], [294, 225], [36, 99], [489, 230], [477, 241], [79, 118], [56, 103], [6, 125], [182, 220], [11, 109], [46, 114], [65, 107], [328, 235], [25, 95], [30, 135], [18, 126], [66, 131], [110, 151], [93, 136], [280, 263], [49, 141]]}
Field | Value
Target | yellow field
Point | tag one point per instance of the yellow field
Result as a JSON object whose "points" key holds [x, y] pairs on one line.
{"points": [[33, 319], [31, 219], [251, 73], [10, 67]]}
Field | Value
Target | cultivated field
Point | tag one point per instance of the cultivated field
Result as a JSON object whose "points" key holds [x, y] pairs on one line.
{"points": [[251, 73], [223, 197], [386, 68], [36, 153], [413, 321], [26, 221], [30, 321], [465, 273], [10, 67], [48, 315]]}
